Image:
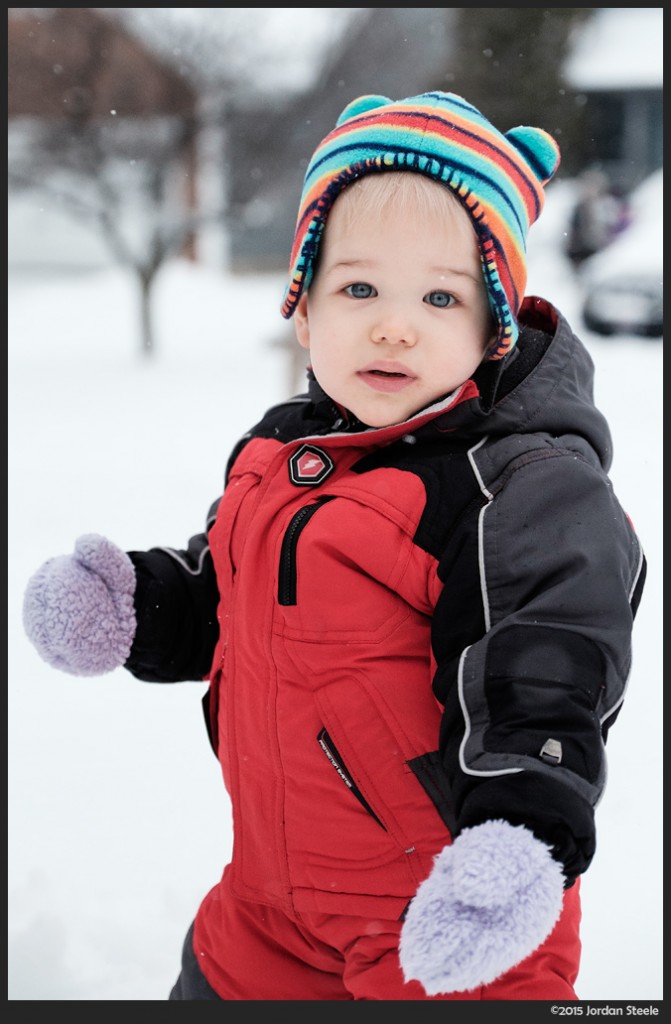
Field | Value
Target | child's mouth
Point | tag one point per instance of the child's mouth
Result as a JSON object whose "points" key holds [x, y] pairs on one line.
{"points": [[389, 381]]}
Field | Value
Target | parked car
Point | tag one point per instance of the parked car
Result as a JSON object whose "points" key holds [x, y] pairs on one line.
{"points": [[622, 284]]}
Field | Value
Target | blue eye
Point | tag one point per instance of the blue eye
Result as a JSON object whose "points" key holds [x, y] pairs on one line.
{"points": [[360, 290], [439, 299]]}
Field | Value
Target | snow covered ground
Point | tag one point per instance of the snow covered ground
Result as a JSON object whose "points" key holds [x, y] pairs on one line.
{"points": [[118, 821]]}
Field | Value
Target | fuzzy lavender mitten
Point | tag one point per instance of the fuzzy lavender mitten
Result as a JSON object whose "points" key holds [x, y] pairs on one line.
{"points": [[78, 609], [491, 899]]}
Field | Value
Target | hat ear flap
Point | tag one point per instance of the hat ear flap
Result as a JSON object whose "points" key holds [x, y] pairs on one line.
{"points": [[361, 106], [539, 150]]}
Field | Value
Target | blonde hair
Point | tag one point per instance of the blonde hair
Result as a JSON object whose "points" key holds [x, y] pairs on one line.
{"points": [[408, 191]]}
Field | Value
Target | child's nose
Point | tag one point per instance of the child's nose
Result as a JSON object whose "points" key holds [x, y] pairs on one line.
{"points": [[395, 330]]}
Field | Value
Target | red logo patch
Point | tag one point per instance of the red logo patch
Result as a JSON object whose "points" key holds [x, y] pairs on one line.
{"points": [[310, 466]]}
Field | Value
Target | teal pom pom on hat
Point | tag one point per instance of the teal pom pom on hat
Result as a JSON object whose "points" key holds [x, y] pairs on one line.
{"points": [[361, 106], [499, 179]]}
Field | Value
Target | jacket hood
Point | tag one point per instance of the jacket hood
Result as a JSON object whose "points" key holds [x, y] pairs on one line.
{"points": [[545, 385]]}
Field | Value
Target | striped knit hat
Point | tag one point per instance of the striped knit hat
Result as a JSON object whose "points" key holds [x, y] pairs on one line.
{"points": [[498, 178]]}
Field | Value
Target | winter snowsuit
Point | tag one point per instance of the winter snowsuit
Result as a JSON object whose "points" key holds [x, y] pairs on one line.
{"points": [[407, 631]]}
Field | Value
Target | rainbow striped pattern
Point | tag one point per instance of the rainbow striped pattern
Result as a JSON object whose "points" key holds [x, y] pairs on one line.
{"points": [[498, 178]]}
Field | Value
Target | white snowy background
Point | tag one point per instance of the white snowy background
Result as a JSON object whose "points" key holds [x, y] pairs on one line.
{"points": [[118, 820]]}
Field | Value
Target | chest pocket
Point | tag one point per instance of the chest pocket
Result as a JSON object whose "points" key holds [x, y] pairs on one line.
{"points": [[339, 565]]}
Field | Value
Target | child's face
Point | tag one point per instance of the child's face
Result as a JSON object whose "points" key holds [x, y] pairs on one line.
{"points": [[397, 315]]}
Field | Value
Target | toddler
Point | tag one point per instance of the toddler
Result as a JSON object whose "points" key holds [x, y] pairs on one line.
{"points": [[413, 602]]}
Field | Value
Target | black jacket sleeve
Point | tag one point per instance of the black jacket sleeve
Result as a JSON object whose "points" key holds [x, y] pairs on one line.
{"points": [[529, 705], [176, 601]]}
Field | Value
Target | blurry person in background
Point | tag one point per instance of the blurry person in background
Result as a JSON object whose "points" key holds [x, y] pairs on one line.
{"points": [[413, 602], [598, 216]]}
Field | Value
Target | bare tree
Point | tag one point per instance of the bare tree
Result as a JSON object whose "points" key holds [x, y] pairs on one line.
{"points": [[122, 180], [116, 138], [117, 150]]}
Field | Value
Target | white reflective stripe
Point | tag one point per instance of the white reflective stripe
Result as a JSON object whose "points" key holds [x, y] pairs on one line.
{"points": [[185, 565], [481, 532], [467, 732]]}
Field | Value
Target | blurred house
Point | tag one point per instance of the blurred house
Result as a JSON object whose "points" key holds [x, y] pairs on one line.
{"points": [[616, 64], [64, 61], [69, 67]]}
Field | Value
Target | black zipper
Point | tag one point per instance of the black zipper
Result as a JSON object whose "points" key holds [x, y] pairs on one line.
{"points": [[286, 588], [327, 745]]}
